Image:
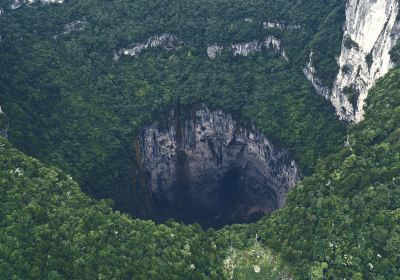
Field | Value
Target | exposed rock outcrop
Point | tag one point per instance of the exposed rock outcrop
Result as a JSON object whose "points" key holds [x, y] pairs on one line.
{"points": [[77, 25], [247, 48], [165, 41], [18, 3], [269, 42], [210, 170], [170, 42], [371, 30], [311, 74], [275, 24]]}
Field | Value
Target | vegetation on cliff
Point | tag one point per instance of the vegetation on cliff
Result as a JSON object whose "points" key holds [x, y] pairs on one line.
{"points": [[71, 105], [343, 222], [50, 230]]}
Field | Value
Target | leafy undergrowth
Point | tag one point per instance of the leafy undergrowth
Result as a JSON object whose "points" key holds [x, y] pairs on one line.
{"points": [[248, 259]]}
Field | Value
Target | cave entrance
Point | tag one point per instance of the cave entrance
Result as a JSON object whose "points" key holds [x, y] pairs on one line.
{"points": [[229, 193], [209, 170], [223, 198]]}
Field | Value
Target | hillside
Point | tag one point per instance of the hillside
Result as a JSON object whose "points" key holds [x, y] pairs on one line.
{"points": [[341, 222], [50, 230], [166, 139], [71, 104], [344, 220]]}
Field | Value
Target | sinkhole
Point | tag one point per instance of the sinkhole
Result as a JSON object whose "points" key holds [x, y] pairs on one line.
{"points": [[207, 169]]}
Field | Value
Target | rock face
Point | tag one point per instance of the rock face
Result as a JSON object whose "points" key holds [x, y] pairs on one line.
{"points": [[214, 50], [77, 25], [165, 41], [18, 3], [245, 49], [311, 74], [372, 29], [275, 24], [208, 169]]}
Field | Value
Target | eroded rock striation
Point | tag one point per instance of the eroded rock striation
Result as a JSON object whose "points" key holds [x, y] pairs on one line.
{"points": [[247, 48], [371, 30], [311, 74], [209, 169], [165, 41], [18, 3]]}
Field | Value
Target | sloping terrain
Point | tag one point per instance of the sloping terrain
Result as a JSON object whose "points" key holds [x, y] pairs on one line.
{"points": [[344, 219], [87, 87], [72, 104]]}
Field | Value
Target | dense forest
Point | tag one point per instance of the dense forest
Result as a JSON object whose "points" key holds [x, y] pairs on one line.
{"points": [[342, 222], [72, 105], [68, 188], [50, 230]]}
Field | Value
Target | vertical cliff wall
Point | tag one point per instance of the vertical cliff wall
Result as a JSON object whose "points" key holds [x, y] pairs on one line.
{"points": [[371, 30], [210, 170]]}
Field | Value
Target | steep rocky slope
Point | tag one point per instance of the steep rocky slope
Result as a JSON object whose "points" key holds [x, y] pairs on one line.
{"points": [[344, 221], [371, 31], [209, 169]]}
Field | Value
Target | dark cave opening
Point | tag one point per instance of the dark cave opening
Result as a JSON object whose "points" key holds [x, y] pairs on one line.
{"points": [[229, 193], [232, 198], [210, 171]]}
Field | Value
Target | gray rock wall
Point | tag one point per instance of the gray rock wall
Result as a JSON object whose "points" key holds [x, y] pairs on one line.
{"points": [[210, 168], [371, 30]]}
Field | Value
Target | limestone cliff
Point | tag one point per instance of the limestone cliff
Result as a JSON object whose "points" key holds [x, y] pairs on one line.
{"points": [[213, 170], [247, 48], [18, 3], [165, 41], [371, 30], [311, 74], [282, 25]]}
